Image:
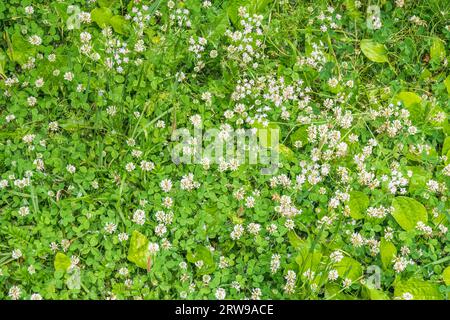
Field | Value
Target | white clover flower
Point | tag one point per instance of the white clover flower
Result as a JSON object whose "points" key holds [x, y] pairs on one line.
{"points": [[14, 292], [122, 237], [166, 185], [24, 211], [110, 227], [39, 83], [139, 217], [220, 294], [68, 76], [85, 37], [130, 166], [153, 247], [71, 168], [16, 254], [29, 10], [35, 40], [407, 296]]}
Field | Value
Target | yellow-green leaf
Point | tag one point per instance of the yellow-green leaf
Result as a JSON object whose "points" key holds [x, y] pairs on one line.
{"points": [[286, 152], [119, 24], [308, 257], [447, 84], [2, 63], [358, 203], [420, 289], [374, 51], [352, 9], [446, 146], [387, 252], [204, 254], [334, 292], [437, 50], [62, 262], [374, 294], [101, 16], [295, 240], [419, 178], [446, 276], [138, 251], [407, 212], [106, 3], [19, 49], [408, 98], [349, 268], [301, 134], [412, 102], [268, 135]]}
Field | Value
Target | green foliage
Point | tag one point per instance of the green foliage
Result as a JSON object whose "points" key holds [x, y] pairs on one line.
{"points": [[349, 268], [437, 51], [102, 16], [419, 289], [446, 276], [62, 262], [408, 212], [358, 203], [96, 203], [387, 252], [374, 51], [138, 251]]}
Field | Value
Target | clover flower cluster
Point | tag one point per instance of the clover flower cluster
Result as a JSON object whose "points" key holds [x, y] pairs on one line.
{"points": [[246, 45]]}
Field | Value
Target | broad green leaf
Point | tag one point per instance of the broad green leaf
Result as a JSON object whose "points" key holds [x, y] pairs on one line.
{"points": [[101, 16], [220, 25], [301, 134], [268, 136], [408, 98], [2, 63], [334, 292], [425, 74], [446, 276], [295, 240], [374, 294], [407, 212], [138, 251], [387, 252], [286, 152], [106, 3], [419, 178], [119, 24], [349, 268], [352, 9], [62, 262], [358, 203], [61, 9], [374, 51], [412, 102], [308, 257], [446, 146], [437, 50], [447, 84], [420, 289], [204, 254], [425, 155], [20, 49]]}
